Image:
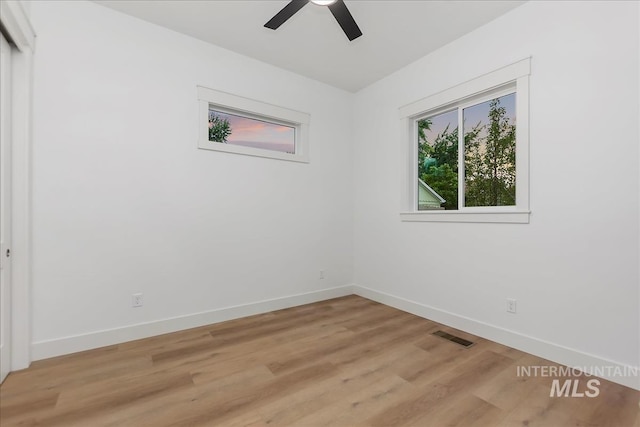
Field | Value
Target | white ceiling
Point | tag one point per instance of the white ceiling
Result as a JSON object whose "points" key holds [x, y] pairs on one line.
{"points": [[312, 43]]}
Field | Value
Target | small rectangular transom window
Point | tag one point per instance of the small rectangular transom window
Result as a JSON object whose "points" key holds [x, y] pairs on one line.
{"points": [[240, 125]]}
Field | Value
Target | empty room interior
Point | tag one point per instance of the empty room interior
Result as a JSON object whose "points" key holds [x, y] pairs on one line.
{"points": [[313, 213]]}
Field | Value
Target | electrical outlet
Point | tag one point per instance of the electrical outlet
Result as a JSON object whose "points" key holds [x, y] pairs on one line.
{"points": [[321, 274], [136, 300], [511, 305]]}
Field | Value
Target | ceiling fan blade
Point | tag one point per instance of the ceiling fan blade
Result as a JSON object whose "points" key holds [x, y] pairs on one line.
{"points": [[346, 21], [287, 12]]}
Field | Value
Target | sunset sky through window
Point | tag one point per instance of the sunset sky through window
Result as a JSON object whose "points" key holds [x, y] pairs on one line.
{"points": [[259, 134]]}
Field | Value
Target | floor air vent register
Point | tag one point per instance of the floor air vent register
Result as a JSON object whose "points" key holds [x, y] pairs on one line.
{"points": [[453, 338]]}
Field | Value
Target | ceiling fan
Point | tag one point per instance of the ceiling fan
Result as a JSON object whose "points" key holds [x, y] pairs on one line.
{"points": [[337, 8]]}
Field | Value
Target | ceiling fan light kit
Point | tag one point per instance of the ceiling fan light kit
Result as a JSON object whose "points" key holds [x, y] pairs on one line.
{"points": [[337, 8]]}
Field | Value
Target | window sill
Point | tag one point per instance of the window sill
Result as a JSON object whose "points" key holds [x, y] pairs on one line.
{"points": [[250, 151], [504, 217]]}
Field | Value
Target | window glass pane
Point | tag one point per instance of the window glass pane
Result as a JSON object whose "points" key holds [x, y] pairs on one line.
{"points": [[438, 161], [237, 130], [490, 152]]}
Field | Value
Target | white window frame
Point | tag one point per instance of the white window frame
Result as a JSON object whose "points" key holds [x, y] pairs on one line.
{"points": [[509, 79], [257, 110]]}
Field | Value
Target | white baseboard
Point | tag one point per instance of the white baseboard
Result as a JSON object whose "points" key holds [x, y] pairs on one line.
{"points": [[72, 344], [544, 349], [547, 350]]}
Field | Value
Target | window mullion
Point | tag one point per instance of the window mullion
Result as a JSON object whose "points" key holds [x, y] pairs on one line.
{"points": [[460, 160], [414, 161]]}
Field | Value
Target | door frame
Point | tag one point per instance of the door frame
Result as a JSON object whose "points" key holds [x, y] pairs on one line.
{"points": [[5, 210], [18, 31]]}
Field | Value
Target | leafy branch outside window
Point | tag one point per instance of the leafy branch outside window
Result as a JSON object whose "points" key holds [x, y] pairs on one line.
{"points": [[219, 128], [438, 162]]}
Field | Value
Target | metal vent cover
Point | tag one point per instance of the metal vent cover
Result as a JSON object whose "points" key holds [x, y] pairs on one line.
{"points": [[453, 338]]}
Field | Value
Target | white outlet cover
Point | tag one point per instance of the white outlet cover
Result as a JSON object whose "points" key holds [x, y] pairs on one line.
{"points": [[137, 300]]}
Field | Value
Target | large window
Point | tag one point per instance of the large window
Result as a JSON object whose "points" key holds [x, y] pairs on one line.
{"points": [[234, 124], [468, 151], [485, 133]]}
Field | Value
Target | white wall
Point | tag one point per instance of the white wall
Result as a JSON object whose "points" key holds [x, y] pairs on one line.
{"points": [[124, 202], [574, 268]]}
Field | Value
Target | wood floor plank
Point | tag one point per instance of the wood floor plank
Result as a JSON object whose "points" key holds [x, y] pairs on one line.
{"points": [[316, 398], [73, 374], [87, 401], [322, 395], [36, 402], [244, 357], [433, 393], [217, 411], [612, 407], [539, 410], [354, 407], [171, 409], [508, 389], [342, 362], [462, 410], [396, 330]]}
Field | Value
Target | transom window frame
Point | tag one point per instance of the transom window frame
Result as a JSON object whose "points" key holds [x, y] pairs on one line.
{"points": [[211, 99], [509, 79]]}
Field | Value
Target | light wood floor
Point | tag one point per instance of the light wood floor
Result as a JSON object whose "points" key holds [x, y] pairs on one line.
{"points": [[346, 362]]}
